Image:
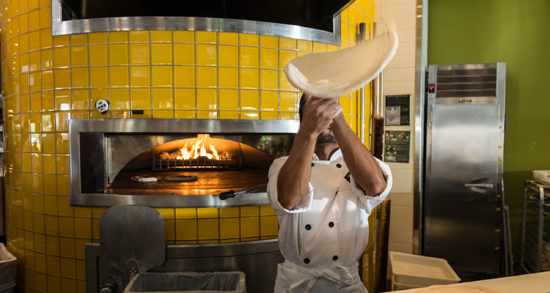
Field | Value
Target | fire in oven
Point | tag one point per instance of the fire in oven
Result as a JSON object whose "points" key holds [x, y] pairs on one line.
{"points": [[174, 163]]}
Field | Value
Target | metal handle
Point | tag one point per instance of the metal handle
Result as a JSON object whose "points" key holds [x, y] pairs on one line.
{"points": [[481, 185]]}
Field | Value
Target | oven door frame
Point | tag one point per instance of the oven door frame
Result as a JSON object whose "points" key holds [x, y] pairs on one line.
{"points": [[168, 126]]}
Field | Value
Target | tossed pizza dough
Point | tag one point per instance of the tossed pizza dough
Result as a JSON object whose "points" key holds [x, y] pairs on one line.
{"points": [[145, 179], [456, 289], [338, 73]]}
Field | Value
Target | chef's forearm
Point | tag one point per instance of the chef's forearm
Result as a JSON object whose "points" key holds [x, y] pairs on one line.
{"points": [[362, 165], [295, 174]]}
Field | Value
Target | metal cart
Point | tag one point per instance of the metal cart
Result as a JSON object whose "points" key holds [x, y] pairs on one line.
{"points": [[536, 215]]}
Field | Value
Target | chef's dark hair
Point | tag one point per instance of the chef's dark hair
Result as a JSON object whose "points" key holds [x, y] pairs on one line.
{"points": [[301, 108]]}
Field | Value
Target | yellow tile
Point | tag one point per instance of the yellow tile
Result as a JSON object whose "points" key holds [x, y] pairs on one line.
{"points": [[269, 41], [288, 116], [79, 77], [229, 56], [206, 55], [34, 60], [140, 76], [66, 227], [207, 213], [139, 54], [250, 57], [62, 78], [118, 37], [184, 76], [34, 20], [24, 23], [97, 38], [48, 103], [162, 76], [250, 227], [286, 56], [24, 42], [185, 115], [98, 94], [207, 115], [284, 84], [250, 115], [250, 78], [62, 100], [62, 161], [98, 55], [206, 37], [186, 229], [139, 36], [51, 225], [287, 43], [118, 76], [319, 47], [289, 101], [229, 100], [118, 54], [68, 285], [267, 211], [80, 39], [62, 143], [269, 79], [250, 211], [47, 80], [61, 57], [80, 248], [34, 40], [184, 54], [207, 77], [206, 99], [52, 245], [98, 77], [208, 229], [141, 99], [184, 99], [228, 38], [269, 226], [344, 31], [46, 59], [62, 121], [229, 77], [270, 101], [45, 17], [229, 228], [34, 81], [184, 36], [269, 58], [63, 185], [186, 213], [83, 228], [249, 40], [80, 115], [351, 35], [162, 54], [250, 100], [120, 114], [162, 99], [344, 15], [161, 36], [79, 56], [170, 230], [120, 99]]}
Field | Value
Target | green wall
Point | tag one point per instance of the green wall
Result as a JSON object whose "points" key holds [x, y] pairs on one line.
{"points": [[516, 32]]}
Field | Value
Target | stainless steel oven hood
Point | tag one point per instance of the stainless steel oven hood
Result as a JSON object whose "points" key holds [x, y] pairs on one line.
{"points": [[102, 149]]}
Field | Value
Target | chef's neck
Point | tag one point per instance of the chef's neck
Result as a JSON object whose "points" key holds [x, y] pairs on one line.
{"points": [[325, 150]]}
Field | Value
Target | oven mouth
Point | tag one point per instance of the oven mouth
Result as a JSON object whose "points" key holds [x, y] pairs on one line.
{"points": [[163, 158]]}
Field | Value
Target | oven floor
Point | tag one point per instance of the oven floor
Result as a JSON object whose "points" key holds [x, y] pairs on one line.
{"points": [[209, 182]]}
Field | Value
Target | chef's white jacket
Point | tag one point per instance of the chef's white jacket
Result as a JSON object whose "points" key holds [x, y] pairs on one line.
{"points": [[326, 233]]}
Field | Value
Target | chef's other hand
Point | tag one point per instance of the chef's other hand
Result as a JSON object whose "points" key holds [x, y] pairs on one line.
{"points": [[318, 114]]}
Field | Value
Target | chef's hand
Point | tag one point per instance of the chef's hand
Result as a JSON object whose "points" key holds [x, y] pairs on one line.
{"points": [[318, 114]]}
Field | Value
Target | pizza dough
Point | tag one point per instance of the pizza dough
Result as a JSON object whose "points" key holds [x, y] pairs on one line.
{"points": [[181, 178], [336, 74], [456, 289], [145, 179]]}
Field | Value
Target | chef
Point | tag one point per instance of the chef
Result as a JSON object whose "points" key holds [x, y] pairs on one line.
{"points": [[323, 193]]}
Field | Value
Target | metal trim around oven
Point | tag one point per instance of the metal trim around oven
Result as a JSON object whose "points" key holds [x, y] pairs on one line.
{"points": [[79, 26], [165, 126]]}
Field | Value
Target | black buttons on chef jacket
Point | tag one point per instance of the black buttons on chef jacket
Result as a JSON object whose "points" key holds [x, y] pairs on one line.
{"points": [[331, 224], [312, 164], [335, 258], [308, 227], [306, 261], [338, 165]]}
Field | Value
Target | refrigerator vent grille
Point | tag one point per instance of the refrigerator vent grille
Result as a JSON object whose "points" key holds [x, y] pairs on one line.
{"points": [[457, 83]]}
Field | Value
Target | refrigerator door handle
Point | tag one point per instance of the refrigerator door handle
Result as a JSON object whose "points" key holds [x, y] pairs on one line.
{"points": [[480, 185]]}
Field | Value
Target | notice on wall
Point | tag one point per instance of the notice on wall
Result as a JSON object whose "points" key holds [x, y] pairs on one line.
{"points": [[397, 146], [397, 110]]}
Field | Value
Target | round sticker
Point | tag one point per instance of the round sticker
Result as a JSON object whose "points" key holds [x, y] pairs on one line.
{"points": [[102, 106]]}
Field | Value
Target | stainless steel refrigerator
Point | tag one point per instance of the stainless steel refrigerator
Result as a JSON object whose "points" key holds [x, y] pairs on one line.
{"points": [[464, 151]]}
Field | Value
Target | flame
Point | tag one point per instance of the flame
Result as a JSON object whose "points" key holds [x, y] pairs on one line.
{"points": [[198, 150]]}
